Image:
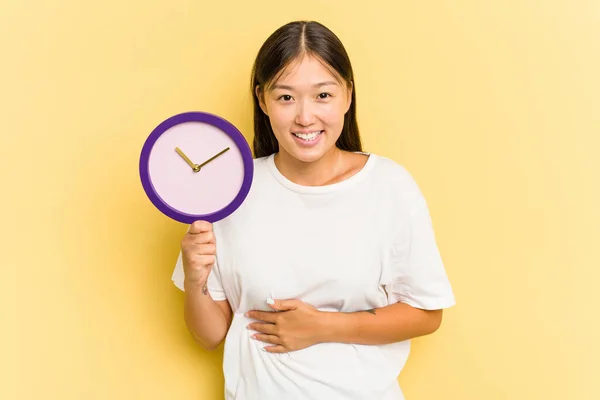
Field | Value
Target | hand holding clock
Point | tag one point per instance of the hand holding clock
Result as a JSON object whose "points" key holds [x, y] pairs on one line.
{"points": [[198, 250]]}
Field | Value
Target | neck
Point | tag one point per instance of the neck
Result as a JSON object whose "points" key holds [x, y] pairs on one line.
{"points": [[316, 173]]}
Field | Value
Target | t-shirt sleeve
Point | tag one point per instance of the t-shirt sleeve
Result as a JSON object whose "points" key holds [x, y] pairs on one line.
{"points": [[213, 284], [417, 274]]}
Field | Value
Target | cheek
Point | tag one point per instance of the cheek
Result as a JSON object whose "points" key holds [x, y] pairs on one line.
{"points": [[281, 118], [333, 115], [279, 123]]}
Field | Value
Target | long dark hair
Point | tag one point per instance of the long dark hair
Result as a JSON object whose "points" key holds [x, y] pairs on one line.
{"points": [[285, 45]]}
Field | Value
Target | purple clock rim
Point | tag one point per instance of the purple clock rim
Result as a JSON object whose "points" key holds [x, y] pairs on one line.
{"points": [[218, 122]]}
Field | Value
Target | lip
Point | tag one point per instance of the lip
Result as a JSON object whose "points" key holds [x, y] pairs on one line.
{"points": [[304, 143], [305, 131]]}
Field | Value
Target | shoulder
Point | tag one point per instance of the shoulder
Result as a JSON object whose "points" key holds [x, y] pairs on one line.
{"points": [[397, 181], [393, 172], [261, 166], [261, 161]]}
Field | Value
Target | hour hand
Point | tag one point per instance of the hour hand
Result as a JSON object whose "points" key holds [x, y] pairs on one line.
{"points": [[191, 164]]}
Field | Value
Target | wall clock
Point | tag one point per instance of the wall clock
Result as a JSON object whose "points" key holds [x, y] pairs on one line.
{"points": [[196, 166]]}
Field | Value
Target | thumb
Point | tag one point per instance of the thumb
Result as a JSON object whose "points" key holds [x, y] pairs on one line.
{"points": [[282, 305]]}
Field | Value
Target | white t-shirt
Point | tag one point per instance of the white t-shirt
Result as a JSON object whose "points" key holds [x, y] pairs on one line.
{"points": [[362, 243]]}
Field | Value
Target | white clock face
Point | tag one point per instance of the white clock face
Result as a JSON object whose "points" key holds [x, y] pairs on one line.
{"points": [[211, 188]]}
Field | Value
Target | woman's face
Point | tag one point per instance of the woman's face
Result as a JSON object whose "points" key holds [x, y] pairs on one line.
{"points": [[306, 108]]}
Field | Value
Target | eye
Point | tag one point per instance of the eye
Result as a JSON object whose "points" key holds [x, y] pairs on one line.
{"points": [[324, 95], [285, 97]]}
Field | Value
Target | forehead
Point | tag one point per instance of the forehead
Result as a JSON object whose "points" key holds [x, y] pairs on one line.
{"points": [[308, 70]]}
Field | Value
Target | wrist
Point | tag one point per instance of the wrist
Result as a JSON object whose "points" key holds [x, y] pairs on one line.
{"points": [[195, 286], [331, 326]]}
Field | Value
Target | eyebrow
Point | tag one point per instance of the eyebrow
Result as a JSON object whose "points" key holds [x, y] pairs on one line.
{"points": [[317, 85]]}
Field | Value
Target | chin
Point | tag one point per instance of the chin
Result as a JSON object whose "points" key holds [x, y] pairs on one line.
{"points": [[309, 155]]}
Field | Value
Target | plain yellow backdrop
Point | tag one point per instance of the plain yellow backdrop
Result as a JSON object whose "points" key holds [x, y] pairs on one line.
{"points": [[494, 106]]}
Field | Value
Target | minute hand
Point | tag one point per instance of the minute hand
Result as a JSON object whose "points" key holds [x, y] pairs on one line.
{"points": [[212, 158]]}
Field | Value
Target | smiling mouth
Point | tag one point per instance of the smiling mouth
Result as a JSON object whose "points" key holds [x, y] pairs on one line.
{"points": [[310, 136]]}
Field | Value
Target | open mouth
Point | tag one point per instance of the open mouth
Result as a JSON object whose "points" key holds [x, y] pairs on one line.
{"points": [[308, 137]]}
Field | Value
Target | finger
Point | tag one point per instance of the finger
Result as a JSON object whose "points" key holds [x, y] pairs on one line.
{"points": [[266, 316], [206, 260], [275, 349], [197, 262], [283, 305], [199, 227], [269, 329], [272, 339], [202, 238], [204, 249]]}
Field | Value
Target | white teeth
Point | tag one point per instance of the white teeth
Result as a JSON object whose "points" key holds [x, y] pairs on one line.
{"points": [[307, 136]]}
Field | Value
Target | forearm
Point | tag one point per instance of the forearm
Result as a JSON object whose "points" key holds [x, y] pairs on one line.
{"points": [[390, 324], [204, 318]]}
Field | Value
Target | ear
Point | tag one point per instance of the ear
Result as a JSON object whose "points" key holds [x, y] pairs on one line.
{"points": [[349, 96], [261, 102]]}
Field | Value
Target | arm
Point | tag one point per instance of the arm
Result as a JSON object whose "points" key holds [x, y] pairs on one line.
{"points": [[299, 325], [207, 320], [389, 324]]}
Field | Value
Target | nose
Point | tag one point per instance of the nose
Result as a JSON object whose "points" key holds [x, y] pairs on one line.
{"points": [[305, 115]]}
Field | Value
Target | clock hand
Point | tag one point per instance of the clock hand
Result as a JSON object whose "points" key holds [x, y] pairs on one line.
{"points": [[212, 158], [181, 153]]}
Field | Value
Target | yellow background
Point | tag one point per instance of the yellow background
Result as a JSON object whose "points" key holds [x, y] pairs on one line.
{"points": [[494, 106]]}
